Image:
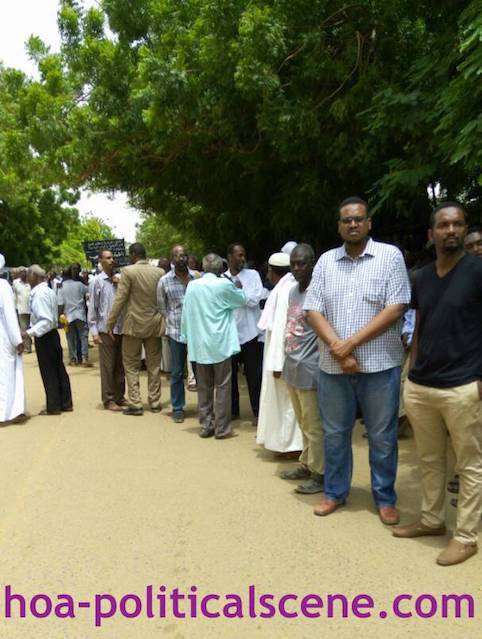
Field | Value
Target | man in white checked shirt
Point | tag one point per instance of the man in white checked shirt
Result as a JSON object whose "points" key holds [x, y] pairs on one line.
{"points": [[356, 299]]}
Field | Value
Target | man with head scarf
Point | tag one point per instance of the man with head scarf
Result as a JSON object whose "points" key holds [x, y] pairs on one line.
{"points": [[12, 397]]}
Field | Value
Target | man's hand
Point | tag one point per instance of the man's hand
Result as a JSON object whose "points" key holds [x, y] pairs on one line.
{"points": [[341, 349], [20, 348], [111, 334], [277, 374], [349, 365], [97, 339]]}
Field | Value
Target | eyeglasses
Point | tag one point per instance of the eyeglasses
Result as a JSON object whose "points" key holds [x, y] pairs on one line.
{"points": [[355, 218]]}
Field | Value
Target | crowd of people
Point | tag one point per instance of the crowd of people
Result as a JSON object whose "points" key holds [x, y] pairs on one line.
{"points": [[320, 343]]}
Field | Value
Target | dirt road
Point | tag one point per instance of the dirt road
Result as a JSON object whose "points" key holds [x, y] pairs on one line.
{"points": [[94, 503]]}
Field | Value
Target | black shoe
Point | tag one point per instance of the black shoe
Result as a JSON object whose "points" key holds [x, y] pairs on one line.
{"points": [[131, 410], [206, 432], [225, 436], [311, 486], [178, 417], [156, 409]]}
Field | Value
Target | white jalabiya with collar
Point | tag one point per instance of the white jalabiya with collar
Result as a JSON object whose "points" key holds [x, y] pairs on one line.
{"points": [[12, 394], [278, 429]]}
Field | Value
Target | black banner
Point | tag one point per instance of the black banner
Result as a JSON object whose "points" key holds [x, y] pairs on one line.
{"points": [[92, 248]]}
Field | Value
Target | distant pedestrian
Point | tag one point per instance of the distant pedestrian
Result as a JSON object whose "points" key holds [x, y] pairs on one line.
{"points": [[21, 291]]}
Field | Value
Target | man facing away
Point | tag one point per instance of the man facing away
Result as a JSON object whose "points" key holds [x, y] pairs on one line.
{"points": [[247, 318], [170, 295], [143, 325], [43, 327], [444, 388], [72, 303], [102, 292], [21, 291], [356, 298], [300, 372], [209, 329]]}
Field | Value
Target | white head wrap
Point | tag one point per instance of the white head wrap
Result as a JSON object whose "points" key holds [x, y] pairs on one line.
{"points": [[288, 247], [279, 259]]}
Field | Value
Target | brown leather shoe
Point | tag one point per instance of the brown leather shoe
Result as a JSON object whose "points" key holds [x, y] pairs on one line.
{"points": [[455, 553], [113, 407], [417, 529], [389, 515], [326, 507]]}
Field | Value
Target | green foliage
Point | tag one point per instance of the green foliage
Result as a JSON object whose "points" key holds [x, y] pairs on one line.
{"points": [[159, 236], [35, 212], [252, 119], [90, 228]]}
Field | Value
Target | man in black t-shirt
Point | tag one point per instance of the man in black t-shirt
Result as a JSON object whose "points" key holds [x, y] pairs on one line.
{"points": [[443, 394]]}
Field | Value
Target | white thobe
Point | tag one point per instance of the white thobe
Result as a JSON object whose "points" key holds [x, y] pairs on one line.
{"points": [[12, 394], [278, 429]]}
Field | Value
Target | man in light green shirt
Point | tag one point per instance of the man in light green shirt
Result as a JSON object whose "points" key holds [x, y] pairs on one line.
{"points": [[209, 329]]}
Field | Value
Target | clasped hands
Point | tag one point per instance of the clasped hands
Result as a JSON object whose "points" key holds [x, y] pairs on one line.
{"points": [[342, 352]]}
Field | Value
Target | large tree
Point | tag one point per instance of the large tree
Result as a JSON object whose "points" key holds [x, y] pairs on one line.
{"points": [[35, 212], [252, 119], [90, 228]]}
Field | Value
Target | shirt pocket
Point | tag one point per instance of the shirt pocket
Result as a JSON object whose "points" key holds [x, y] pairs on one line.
{"points": [[373, 292]]}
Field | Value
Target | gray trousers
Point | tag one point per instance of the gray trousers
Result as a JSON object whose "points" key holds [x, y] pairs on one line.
{"points": [[24, 323], [214, 412]]}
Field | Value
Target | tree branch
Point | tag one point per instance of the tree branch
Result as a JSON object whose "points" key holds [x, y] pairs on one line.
{"points": [[360, 40]]}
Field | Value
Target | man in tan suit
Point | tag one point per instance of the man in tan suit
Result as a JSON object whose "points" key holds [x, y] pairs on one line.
{"points": [[136, 299]]}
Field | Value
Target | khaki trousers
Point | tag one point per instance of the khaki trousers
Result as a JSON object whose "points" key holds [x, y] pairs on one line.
{"points": [[307, 411], [403, 379], [434, 414], [166, 355], [112, 380], [131, 356], [24, 323]]}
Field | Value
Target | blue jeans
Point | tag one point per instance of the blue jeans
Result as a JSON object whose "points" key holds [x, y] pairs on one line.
{"points": [[178, 362], [378, 395], [78, 341]]}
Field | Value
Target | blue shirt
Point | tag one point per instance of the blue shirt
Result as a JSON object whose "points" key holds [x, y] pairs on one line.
{"points": [[208, 325]]}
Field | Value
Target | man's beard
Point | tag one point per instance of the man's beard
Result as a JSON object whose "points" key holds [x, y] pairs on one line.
{"points": [[452, 248]]}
